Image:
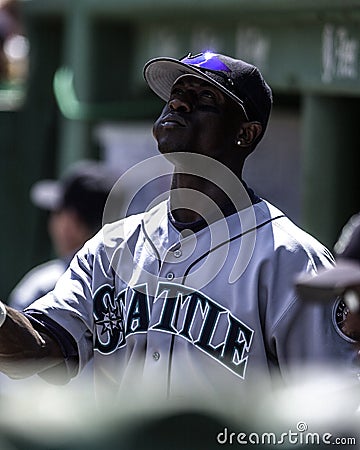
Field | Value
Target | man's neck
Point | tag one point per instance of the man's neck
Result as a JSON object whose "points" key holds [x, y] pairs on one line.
{"points": [[193, 198]]}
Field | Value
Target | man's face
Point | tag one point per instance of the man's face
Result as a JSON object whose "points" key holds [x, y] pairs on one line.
{"points": [[68, 232], [198, 118]]}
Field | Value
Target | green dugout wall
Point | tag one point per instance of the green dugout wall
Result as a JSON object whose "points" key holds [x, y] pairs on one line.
{"points": [[86, 68]]}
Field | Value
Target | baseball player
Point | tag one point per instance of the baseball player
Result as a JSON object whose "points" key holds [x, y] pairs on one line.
{"points": [[196, 294], [75, 203]]}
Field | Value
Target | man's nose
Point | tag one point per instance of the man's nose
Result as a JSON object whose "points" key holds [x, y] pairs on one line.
{"points": [[177, 104]]}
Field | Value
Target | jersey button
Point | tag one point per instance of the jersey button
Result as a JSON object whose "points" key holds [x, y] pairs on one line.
{"points": [[170, 276], [156, 356], [177, 253]]}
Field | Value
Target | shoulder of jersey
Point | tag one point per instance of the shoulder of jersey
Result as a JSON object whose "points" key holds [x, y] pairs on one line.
{"points": [[123, 228]]}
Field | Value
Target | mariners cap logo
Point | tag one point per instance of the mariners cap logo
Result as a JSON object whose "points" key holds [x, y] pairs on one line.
{"points": [[207, 60]]}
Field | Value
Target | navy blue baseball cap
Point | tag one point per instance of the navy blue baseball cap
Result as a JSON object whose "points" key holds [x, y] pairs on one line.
{"points": [[237, 79]]}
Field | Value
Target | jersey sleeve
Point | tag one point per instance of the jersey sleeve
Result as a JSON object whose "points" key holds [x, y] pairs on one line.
{"points": [[69, 305], [304, 334]]}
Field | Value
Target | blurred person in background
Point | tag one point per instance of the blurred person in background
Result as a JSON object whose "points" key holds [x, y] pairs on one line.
{"points": [[13, 43], [76, 203], [341, 281], [348, 244]]}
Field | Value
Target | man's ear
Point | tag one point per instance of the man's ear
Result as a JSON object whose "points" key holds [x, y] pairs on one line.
{"points": [[248, 133]]}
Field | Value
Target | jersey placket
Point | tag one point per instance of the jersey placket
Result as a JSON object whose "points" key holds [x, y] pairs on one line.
{"points": [[165, 305], [167, 314]]}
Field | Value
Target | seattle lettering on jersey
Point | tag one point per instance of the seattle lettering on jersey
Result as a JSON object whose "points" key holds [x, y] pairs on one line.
{"points": [[177, 310]]}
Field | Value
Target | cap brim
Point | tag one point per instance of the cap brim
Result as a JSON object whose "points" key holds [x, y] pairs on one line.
{"points": [[46, 194], [161, 73], [329, 283]]}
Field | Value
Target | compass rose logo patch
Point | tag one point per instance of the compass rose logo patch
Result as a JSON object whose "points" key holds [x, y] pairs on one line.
{"points": [[340, 313], [109, 320]]}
